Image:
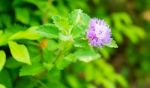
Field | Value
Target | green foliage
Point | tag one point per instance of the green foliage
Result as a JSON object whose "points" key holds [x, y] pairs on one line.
{"points": [[2, 59], [2, 86], [5, 79], [19, 52], [123, 24], [112, 44], [43, 44], [48, 31], [30, 34], [31, 70], [23, 16], [86, 54]]}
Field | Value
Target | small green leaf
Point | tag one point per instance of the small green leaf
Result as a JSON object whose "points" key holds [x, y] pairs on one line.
{"points": [[81, 43], [3, 39], [61, 23], [112, 44], [52, 45], [77, 17], [79, 22], [65, 37], [12, 64], [31, 70], [6, 20], [19, 52], [120, 79], [2, 86], [48, 30], [30, 34], [48, 55], [48, 66], [65, 61], [22, 15], [86, 54], [78, 32], [73, 81], [5, 78], [26, 82], [2, 59]]}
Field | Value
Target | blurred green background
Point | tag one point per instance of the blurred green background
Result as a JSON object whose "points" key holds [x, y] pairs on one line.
{"points": [[129, 20]]}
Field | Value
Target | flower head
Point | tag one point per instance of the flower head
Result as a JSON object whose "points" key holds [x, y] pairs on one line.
{"points": [[98, 33]]}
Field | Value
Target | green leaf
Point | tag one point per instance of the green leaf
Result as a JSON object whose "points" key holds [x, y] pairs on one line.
{"points": [[65, 61], [52, 45], [78, 32], [61, 23], [48, 66], [131, 34], [31, 70], [26, 82], [48, 55], [48, 30], [79, 22], [3, 39], [41, 5], [86, 54], [139, 31], [117, 36], [108, 84], [77, 17], [121, 19], [81, 43], [65, 37], [2, 86], [105, 52], [125, 18], [19, 52], [2, 59], [30, 34], [22, 15], [121, 80], [6, 19], [12, 64], [112, 44], [73, 81], [5, 79]]}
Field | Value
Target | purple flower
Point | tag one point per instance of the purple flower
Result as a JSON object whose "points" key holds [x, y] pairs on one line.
{"points": [[98, 33]]}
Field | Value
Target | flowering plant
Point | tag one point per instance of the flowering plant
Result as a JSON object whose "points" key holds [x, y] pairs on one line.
{"points": [[56, 44], [65, 40]]}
